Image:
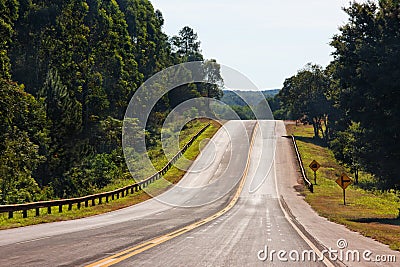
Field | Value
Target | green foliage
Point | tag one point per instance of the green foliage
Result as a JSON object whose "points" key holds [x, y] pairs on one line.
{"points": [[246, 103], [186, 46], [80, 62], [305, 96], [213, 79], [367, 71], [348, 147], [23, 143], [252, 97], [359, 91], [92, 174], [8, 14], [244, 112], [19, 158], [150, 44]]}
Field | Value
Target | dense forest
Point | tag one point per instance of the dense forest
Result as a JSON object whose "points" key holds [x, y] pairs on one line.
{"points": [[67, 72], [354, 103]]}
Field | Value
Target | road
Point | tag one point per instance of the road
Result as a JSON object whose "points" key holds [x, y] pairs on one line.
{"points": [[234, 238]]}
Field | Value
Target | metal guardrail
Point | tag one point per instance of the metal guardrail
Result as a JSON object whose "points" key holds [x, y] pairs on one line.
{"points": [[107, 196], [302, 170]]}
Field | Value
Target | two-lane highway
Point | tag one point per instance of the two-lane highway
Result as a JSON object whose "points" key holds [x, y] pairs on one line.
{"points": [[256, 225], [175, 231]]}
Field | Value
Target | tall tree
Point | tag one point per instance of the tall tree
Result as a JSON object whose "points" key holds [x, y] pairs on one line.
{"points": [[305, 96], [64, 112], [23, 143], [8, 14], [186, 45], [151, 48], [368, 73], [213, 79]]}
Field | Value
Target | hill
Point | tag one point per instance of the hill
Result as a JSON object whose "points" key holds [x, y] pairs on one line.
{"points": [[231, 98]]}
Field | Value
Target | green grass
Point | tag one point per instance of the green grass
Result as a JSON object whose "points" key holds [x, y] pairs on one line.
{"points": [[171, 177], [157, 155], [370, 212]]}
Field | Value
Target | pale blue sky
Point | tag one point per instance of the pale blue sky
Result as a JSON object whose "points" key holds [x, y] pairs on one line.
{"points": [[266, 40]]}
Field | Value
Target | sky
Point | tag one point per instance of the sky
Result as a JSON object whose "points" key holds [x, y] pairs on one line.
{"points": [[266, 40]]}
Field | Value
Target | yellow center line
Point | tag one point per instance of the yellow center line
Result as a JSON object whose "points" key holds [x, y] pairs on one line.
{"points": [[123, 255]]}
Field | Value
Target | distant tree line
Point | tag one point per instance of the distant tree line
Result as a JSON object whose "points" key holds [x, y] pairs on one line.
{"points": [[245, 109], [354, 103], [67, 72]]}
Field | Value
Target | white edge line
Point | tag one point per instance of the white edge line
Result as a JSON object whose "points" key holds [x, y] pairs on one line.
{"points": [[308, 241]]}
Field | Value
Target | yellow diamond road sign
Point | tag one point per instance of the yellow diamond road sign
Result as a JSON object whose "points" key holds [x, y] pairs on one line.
{"points": [[315, 165], [344, 181]]}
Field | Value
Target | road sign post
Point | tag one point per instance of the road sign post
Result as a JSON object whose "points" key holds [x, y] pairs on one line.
{"points": [[344, 181], [314, 165], [344, 197]]}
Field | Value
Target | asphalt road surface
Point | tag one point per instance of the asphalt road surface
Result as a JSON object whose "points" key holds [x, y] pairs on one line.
{"points": [[241, 235]]}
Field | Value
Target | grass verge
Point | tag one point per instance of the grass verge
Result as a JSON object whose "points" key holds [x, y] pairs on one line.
{"points": [[173, 176], [372, 213]]}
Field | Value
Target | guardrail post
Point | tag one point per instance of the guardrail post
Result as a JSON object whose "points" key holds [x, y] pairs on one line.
{"points": [[49, 210], [37, 212], [100, 200], [93, 202], [24, 214], [86, 203], [79, 205], [10, 215], [60, 208], [132, 190], [117, 195], [122, 193], [70, 206], [106, 198], [112, 196]]}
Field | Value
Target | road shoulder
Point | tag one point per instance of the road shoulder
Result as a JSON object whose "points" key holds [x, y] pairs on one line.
{"points": [[324, 232]]}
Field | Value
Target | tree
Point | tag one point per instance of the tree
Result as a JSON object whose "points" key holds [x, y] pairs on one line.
{"points": [[64, 112], [186, 46], [305, 96], [367, 70], [23, 143], [348, 147], [213, 79], [23, 124], [33, 42], [151, 48], [9, 13]]}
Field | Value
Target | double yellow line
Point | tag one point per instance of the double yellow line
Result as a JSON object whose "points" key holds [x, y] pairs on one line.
{"points": [[118, 257]]}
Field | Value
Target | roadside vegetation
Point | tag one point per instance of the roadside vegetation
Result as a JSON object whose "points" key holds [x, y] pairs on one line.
{"points": [[351, 114], [369, 210], [68, 70], [173, 176], [353, 104], [351, 109]]}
